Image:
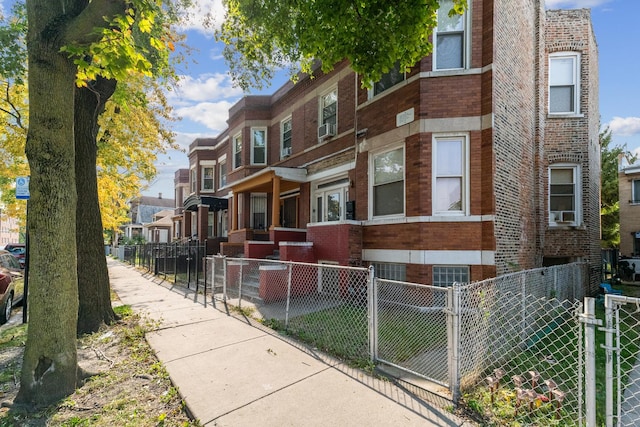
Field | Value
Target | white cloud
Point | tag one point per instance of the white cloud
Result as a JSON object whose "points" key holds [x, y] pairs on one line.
{"points": [[204, 16], [205, 87], [211, 114], [184, 139], [574, 4], [625, 126]]}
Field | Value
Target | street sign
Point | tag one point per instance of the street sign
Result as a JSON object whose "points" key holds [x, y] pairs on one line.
{"points": [[22, 187]]}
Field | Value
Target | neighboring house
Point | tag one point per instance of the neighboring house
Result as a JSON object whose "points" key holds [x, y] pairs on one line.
{"points": [[181, 185], [9, 229], [161, 229], [141, 211], [629, 193], [482, 160]]}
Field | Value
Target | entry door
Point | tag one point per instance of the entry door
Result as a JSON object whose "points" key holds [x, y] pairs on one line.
{"points": [[330, 200], [289, 212]]}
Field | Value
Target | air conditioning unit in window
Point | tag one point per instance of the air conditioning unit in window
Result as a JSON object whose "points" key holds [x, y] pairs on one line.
{"points": [[326, 130], [568, 216], [286, 152]]}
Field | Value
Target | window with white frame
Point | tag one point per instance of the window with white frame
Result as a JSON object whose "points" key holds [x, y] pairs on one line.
{"points": [[330, 200], [222, 170], [564, 195], [387, 81], [450, 38], [564, 73], [285, 137], [635, 191], [388, 182], [450, 166], [328, 114], [208, 178], [447, 275], [258, 146], [237, 151], [194, 180]]}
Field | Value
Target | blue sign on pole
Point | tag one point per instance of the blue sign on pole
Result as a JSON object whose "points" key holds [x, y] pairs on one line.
{"points": [[22, 187]]}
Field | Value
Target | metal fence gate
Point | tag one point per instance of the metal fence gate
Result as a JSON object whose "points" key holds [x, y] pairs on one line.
{"points": [[622, 342], [411, 328]]}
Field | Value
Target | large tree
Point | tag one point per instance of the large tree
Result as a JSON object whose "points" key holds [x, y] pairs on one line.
{"points": [[94, 296], [373, 35], [69, 42], [129, 139]]}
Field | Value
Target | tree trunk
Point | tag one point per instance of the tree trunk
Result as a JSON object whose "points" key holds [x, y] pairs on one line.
{"points": [[93, 277], [50, 368]]}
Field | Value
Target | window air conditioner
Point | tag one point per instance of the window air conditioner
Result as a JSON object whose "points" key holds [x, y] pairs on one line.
{"points": [[286, 152], [568, 216], [326, 130]]}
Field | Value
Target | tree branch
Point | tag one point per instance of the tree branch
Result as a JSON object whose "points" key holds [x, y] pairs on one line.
{"points": [[95, 15], [14, 112]]}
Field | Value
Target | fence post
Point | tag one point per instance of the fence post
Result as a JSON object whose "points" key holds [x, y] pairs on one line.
{"points": [[372, 313], [224, 279], [240, 284], [609, 330], [286, 314], [453, 338], [523, 307], [590, 323], [189, 264]]}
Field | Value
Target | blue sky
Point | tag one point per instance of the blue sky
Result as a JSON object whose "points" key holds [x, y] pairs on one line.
{"points": [[205, 93]]}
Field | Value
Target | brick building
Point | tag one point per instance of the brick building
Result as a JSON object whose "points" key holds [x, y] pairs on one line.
{"points": [[629, 191], [482, 160]]}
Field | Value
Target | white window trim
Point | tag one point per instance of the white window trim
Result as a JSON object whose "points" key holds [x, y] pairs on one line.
{"points": [[635, 198], [343, 188], [233, 149], [258, 129], [220, 174], [466, 43], [466, 179], [372, 154], [320, 107], [282, 122], [576, 75], [203, 166], [193, 179], [577, 176]]}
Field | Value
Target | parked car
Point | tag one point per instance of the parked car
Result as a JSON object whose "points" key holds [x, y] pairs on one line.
{"points": [[19, 250], [10, 274]]}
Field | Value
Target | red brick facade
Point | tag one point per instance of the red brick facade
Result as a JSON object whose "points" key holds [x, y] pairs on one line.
{"points": [[495, 107]]}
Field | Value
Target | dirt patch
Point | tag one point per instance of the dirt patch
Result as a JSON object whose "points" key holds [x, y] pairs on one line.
{"points": [[131, 389]]}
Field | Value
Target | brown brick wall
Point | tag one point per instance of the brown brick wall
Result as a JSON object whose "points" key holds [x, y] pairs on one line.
{"points": [[575, 140], [515, 123]]}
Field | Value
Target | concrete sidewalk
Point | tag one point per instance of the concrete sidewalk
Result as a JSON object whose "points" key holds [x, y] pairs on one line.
{"points": [[232, 371]]}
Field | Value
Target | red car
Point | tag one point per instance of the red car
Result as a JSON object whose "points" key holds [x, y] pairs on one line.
{"points": [[19, 250], [10, 271]]}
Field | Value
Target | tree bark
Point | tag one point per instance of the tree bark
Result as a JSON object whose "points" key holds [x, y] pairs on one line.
{"points": [[93, 277], [49, 369]]}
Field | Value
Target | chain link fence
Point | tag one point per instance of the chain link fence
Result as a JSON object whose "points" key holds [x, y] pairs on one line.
{"points": [[511, 348], [322, 305], [622, 344], [411, 328]]}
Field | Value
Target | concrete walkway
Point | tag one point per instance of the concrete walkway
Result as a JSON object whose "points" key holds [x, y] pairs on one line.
{"points": [[232, 371]]}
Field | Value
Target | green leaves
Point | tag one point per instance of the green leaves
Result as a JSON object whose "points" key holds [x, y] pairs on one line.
{"points": [[372, 35]]}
